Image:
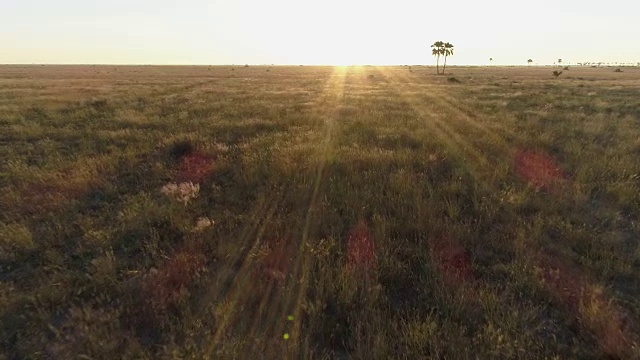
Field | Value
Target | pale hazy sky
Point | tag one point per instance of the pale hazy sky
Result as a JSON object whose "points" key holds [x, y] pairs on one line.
{"points": [[316, 32]]}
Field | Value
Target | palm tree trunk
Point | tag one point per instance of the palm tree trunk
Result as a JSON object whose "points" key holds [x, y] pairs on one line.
{"points": [[438, 64], [444, 68]]}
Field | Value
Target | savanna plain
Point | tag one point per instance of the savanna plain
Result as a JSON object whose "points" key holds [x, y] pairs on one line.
{"points": [[363, 212]]}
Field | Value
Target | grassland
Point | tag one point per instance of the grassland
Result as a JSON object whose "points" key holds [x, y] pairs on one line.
{"points": [[366, 212]]}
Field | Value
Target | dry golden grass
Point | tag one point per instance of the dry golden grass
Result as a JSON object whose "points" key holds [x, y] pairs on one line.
{"points": [[366, 212]]}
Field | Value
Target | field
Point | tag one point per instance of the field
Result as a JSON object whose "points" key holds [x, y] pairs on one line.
{"points": [[319, 213]]}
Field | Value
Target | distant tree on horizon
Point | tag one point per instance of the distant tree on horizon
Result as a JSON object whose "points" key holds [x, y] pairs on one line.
{"points": [[448, 51], [437, 49], [490, 60], [529, 61], [560, 62]]}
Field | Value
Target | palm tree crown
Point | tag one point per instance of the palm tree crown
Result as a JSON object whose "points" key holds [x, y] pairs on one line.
{"points": [[437, 49], [447, 51]]}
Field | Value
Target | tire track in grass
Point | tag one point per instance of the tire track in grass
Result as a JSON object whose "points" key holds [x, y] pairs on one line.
{"points": [[272, 311], [446, 118], [449, 258], [469, 116], [250, 236], [333, 96], [476, 121], [433, 121], [598, 315], [249, 242], [534, 167], [259, 224], [362, 326]]}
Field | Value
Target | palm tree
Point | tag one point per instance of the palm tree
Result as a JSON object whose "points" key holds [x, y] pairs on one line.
{"points": [[490, 60], [560, 62], [447, 51], [529, 61], [437, 50]]}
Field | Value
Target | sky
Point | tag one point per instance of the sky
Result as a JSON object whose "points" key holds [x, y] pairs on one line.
{"points": [[332, 32]]}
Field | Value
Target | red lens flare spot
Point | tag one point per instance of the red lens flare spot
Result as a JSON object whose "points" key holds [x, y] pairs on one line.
{"points": [[167, 285], [195, 167], [598, 314], [361, 252], [275, 259], [451, 259], [538, 169]]}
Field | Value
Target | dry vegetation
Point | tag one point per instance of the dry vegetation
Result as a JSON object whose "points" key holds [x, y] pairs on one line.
{"points": [[366, 212]]}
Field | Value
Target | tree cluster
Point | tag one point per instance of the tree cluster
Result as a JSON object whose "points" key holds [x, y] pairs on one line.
{"points": [[440, 48]]}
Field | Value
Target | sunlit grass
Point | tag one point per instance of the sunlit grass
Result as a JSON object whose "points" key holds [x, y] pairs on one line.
{"points": [[318, 212]]}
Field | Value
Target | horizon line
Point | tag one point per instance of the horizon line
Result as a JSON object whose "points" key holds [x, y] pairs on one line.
{"points": [[590, 64]]}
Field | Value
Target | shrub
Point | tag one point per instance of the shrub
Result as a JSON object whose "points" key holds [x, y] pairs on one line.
{"points": [[181, 148], [183, 192], [617, 70], [98, 104], [15, 240], [557, 73], [88, 330], [453, 80], [202, 224]]}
